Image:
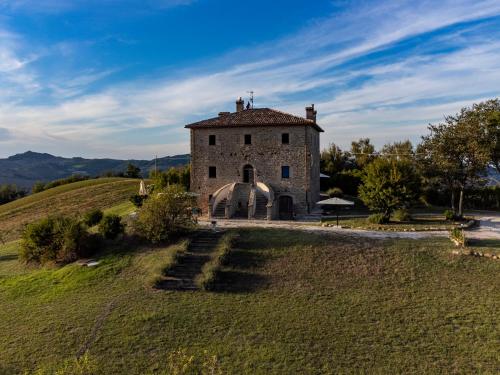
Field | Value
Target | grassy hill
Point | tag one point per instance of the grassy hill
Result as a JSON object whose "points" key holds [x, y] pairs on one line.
{"points": [[289, 303], [27, 168], [70, 199]]}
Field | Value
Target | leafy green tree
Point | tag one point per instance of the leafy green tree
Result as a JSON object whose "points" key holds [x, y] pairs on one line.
{"points": [[388, 185], [132, 171], [399, 151], [9, 193], [493, 134], [165, 214], [363, 152], [458, 150], [334, 160], [38, 187]]}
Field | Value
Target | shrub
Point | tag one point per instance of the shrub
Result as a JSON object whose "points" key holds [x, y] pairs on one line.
{"points": [[137, 200], [450, 215], [457, 235], [335, 192], [56, 239], [111, 226], [377, 219], [165, 214], [402, 215], [92, 217]]}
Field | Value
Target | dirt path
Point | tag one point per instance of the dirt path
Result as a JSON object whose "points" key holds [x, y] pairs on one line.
{"points": [[312, 227]]}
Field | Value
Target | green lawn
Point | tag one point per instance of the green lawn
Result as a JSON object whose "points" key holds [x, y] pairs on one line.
{"points": [[289, 303], [71, 199], [418, 223]]}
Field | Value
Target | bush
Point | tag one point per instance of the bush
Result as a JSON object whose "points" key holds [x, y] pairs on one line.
{"points": [[166, 214], [450, 215], [92, 217], [457, 235], [111, 226], [335, 192], [55, 239], [137, 200], [377, 219], [402, 215]]}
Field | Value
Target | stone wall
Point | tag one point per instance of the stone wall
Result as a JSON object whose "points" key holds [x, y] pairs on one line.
{"points": [[266, 154]]}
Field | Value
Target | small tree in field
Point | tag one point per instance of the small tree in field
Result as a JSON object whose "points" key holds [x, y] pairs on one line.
{"points": [[166, 214], [389, 185], [132, 171]]}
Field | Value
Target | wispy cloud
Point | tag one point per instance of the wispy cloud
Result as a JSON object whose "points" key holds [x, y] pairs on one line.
{"points": [[344, 63]]}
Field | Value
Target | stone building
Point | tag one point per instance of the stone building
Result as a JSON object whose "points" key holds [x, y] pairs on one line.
{"points": [[256, 163]]}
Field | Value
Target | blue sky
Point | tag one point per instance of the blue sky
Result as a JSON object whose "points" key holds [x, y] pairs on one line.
{"points": [[120, 79]]}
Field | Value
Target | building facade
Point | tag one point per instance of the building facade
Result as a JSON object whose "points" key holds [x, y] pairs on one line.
{"points": [[256, 163]]}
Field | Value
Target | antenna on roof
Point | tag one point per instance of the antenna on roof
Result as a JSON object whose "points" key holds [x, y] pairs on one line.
{"points": [[251, 99]]}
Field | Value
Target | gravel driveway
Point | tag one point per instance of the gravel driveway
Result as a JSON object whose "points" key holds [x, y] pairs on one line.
{"points": [[489, 228], [311, 227]]}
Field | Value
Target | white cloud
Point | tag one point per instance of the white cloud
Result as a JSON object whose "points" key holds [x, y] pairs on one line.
{"points": [[396, 98]]}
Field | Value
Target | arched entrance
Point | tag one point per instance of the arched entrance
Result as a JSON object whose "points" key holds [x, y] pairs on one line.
{"points": [[285, 207], [248, 174]]}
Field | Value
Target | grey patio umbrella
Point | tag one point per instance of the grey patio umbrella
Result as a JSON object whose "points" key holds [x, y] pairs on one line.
{"points": [[335, 202]]}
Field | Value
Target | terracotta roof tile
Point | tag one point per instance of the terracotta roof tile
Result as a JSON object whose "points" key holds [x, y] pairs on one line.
{"points": [[254, 117]]}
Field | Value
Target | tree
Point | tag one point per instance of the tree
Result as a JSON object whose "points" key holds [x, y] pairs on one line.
{"points": [[339, 166], [9, 193], [399, 151], [363, 152], [132, 171], [334, 160], [457, 151], [166, 214], [493, 133], [389, 184]]}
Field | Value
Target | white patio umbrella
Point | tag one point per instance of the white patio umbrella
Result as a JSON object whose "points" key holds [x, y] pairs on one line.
{"points": [[142, 189], [335, 202]]}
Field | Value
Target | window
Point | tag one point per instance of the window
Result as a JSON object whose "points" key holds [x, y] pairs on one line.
{"points": [[248, 139], [211, 140], [285, 138], [285, 171], [212, 172]]}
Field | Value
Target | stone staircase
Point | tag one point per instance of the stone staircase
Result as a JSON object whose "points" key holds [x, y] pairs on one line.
{"points": [[220, 210], [260, 206], [182, 276], [240, 195]]}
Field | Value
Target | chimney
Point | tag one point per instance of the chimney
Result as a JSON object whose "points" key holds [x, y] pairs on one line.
{"points": [[240, 104], [311, 113]]}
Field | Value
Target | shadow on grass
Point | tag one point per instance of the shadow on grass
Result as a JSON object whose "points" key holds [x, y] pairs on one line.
{"points": [[5, 258], [235, 281], [240, 276], [493, 243]]}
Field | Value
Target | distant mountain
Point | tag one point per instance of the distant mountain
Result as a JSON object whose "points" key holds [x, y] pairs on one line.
{"points": [[27, 168]]}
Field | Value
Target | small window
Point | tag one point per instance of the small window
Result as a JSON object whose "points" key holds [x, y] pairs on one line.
{"points": [[212, 172], [211, 140], [285, 171], [285, 138], [248, 139]]}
